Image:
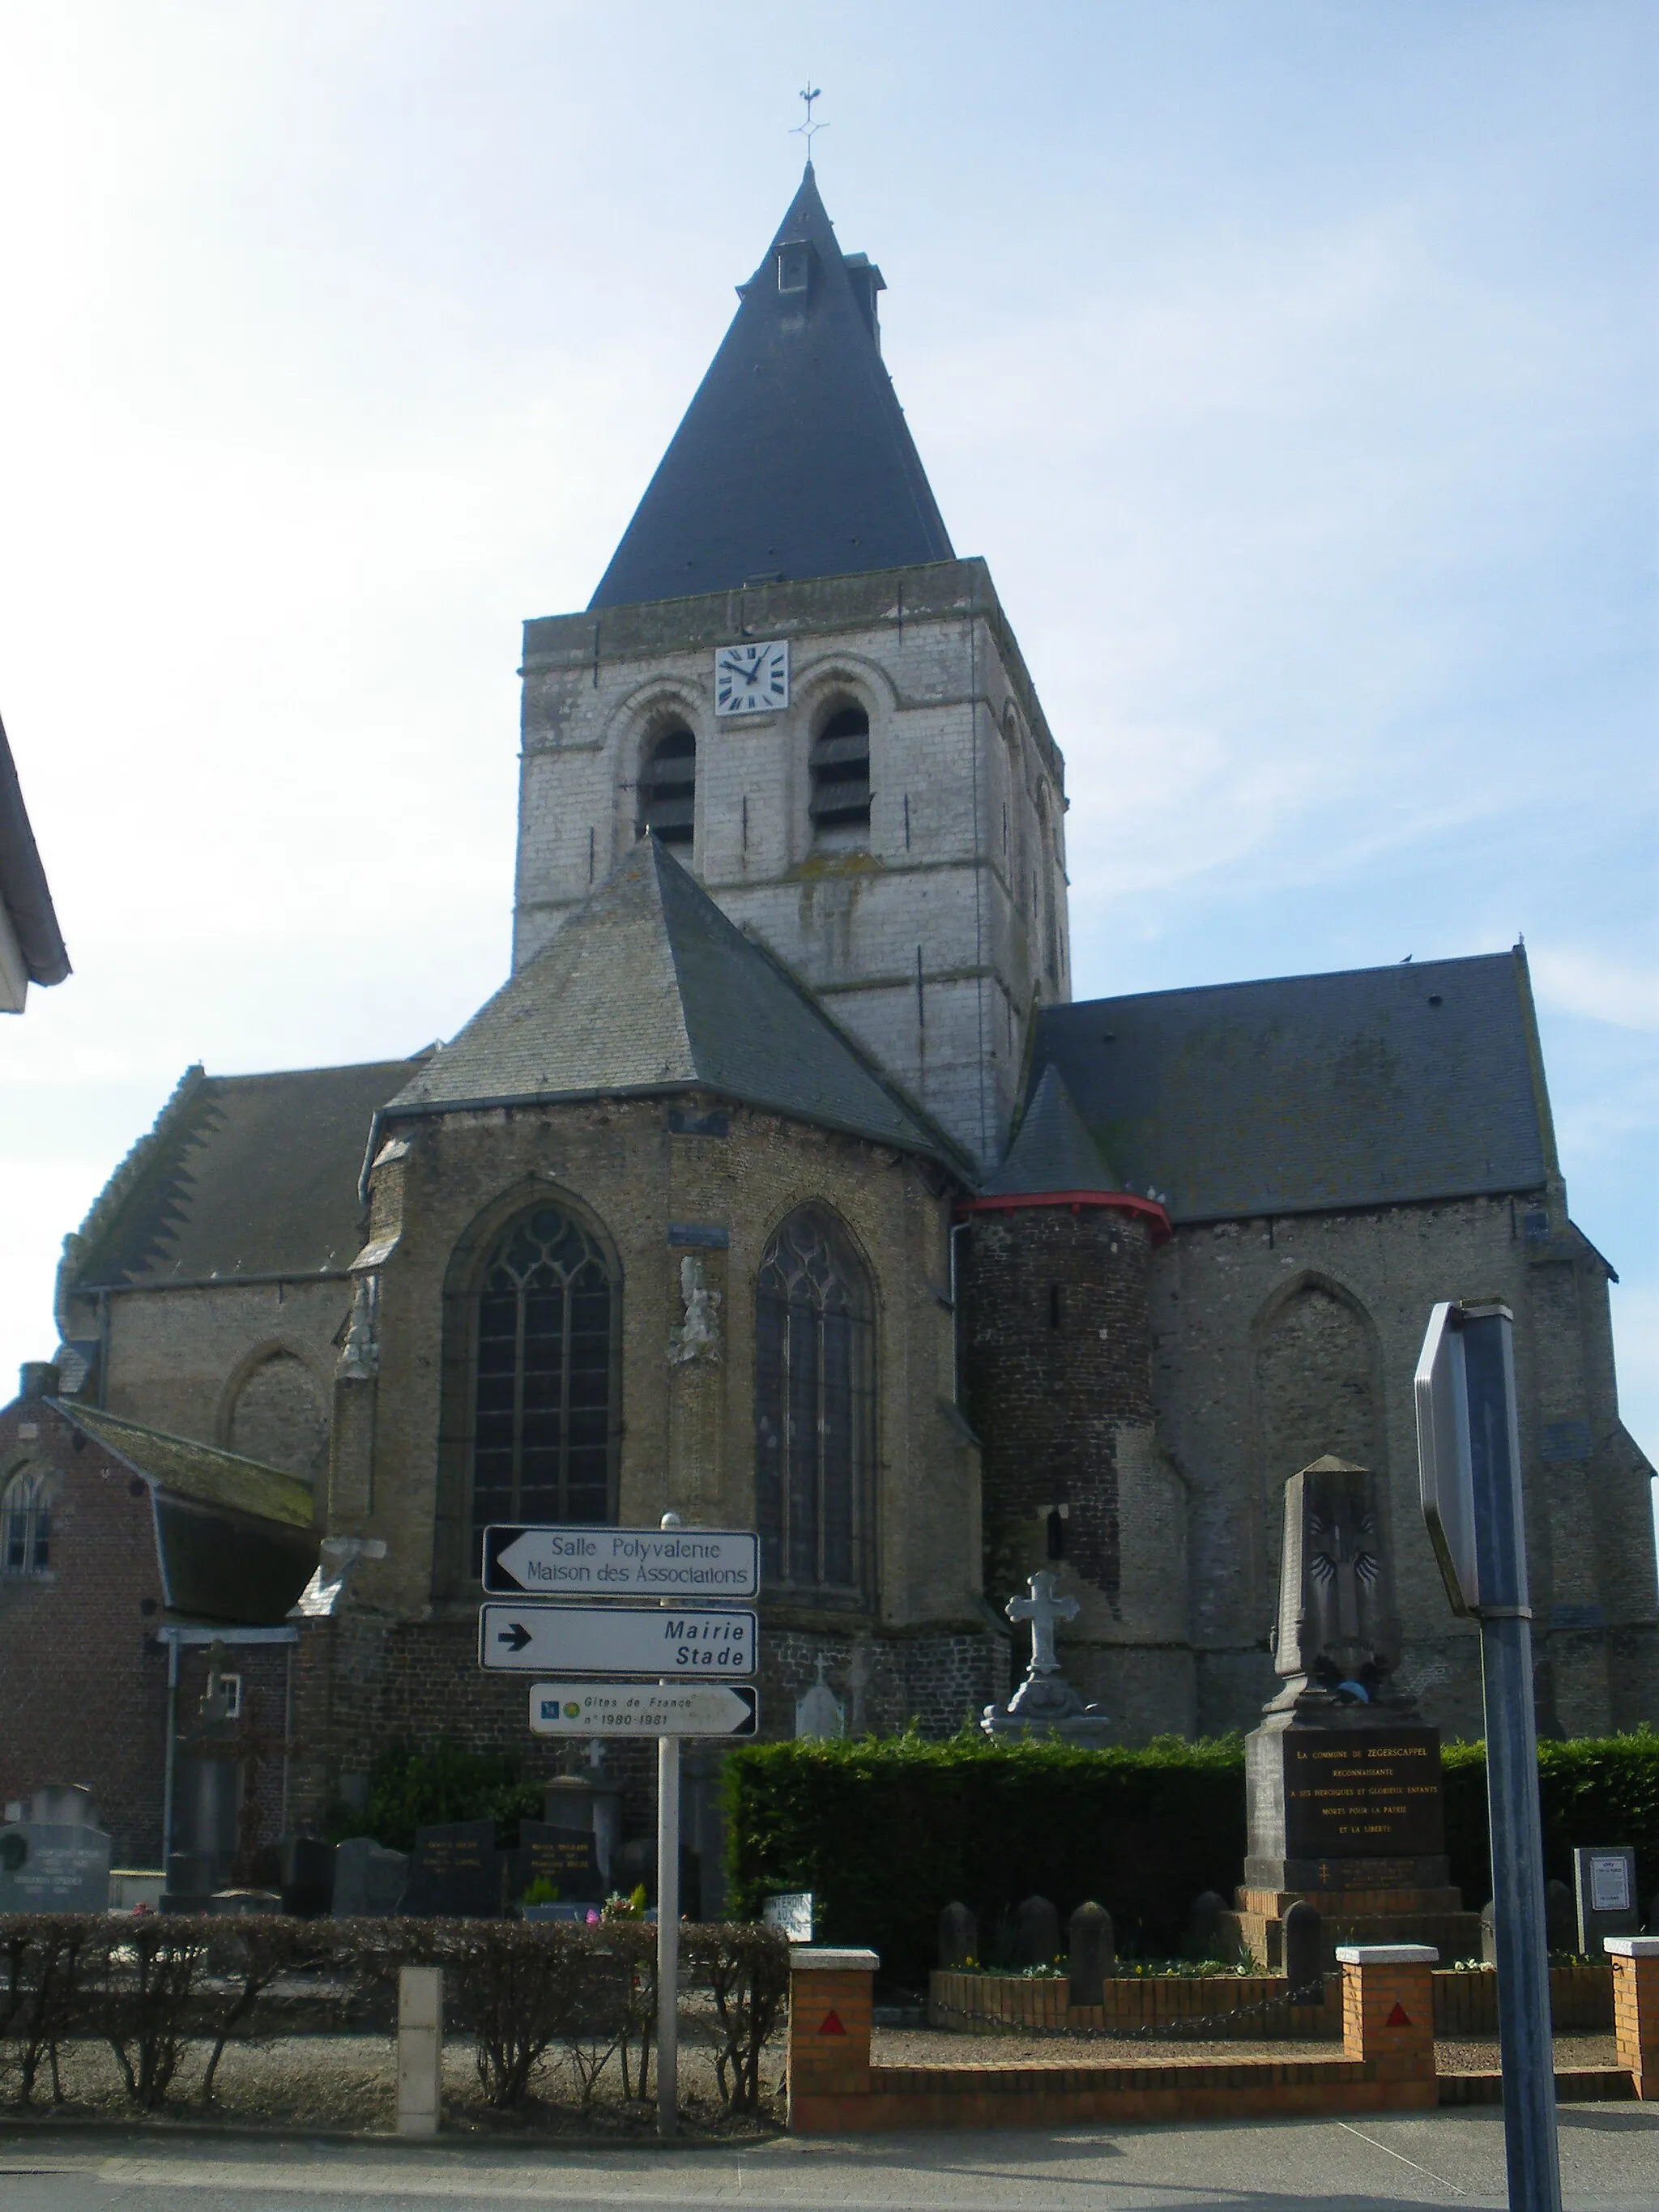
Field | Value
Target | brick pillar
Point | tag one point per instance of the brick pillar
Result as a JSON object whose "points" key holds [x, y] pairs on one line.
{"points": [[1388, 2009], [829, 2003], [1635, 1962]]}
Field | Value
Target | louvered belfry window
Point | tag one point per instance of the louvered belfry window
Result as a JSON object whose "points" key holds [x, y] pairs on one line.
{"points": [[840, 766], [668, 788], [542, 1442], [814, 1408]]}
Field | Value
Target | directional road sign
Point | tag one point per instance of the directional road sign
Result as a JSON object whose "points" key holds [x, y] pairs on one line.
{"points": [[596, 1562], [705, 1708], [716, 1641]]}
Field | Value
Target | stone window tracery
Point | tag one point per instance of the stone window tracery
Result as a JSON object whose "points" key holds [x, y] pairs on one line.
{"points": [[814, 1409], [25, 1523], [542, 1437]]}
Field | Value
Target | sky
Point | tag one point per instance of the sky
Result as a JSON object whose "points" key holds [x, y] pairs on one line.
{"points": [[1295, 367]]}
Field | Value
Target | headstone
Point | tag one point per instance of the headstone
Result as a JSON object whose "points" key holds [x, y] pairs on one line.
{"points": [[1604, 1883], [53, 1867], [1305, 1953], [590, 1801], [191, 1876], [1204, 1937], [1045, 1703], [455, 1871], [820, 1713], [369, 1881], [1036, 1932], [1090, 1953], [1560, 1918], [566, 1857], [958, 1938], [308, 1875], [1489, 1933], [790, 1911]]}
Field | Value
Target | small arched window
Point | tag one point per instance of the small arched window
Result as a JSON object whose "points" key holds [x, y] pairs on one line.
{"points": [[668, 787], [25, 1523], [840, 766], [543, 1439], [814, 1408]]}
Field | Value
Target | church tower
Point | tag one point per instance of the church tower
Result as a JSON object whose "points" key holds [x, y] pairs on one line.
{"points": [[787, 675]]}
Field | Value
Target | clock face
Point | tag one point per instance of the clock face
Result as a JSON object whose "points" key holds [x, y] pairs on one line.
{"points": [[751, 679]]}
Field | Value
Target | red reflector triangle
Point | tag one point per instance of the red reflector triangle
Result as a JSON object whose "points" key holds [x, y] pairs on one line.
{"points": [[832, 2024], [1399, 2017]]}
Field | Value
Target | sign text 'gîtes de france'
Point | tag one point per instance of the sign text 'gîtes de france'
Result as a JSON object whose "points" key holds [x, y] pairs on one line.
{"points": [[601, 1562], [700, 1709]]}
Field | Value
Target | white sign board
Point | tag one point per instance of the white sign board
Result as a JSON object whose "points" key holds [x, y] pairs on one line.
{"points": [[703, 1709], [1609, 1883], [716, 1641], [1444, 1470], [600, 1562]]}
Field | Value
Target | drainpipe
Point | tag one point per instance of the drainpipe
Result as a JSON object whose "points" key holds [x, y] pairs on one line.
{"points": [[172, 1739]]}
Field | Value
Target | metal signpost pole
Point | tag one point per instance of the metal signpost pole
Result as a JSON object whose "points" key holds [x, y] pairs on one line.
{"points": [[1518, 1848], [668, 1923], [668, 1934], [1468, 1453]]}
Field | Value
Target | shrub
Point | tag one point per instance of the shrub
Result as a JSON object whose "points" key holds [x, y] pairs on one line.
{"points": [[887, 1831], [418, 1785]]}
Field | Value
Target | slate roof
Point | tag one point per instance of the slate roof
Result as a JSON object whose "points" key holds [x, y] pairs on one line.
{"points": [[1309, 1093], [242, 1175], [1052, 1149], [646, 988], [794, 459], [24, 891], [199, 1472]]}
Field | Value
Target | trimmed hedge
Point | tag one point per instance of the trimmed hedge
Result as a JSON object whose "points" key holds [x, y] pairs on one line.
{"points": [[887, 1831]]}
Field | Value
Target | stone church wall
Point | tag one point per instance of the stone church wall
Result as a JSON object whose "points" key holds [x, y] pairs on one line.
{"points": [[1276, 1340]]}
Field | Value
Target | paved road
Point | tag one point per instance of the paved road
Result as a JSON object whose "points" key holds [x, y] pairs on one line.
{"points": [[1610, 2163]]}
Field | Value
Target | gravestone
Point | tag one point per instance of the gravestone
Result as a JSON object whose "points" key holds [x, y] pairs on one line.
{"points": [[958, 1938], [1204, 1939], [1342, 1778], [1604, 1886], [1090, 1953], [1489, 1933], [566, 1857], [53, 1867], [306, 1877], [1036, 1932], [1305, 1952], [191, 1876], [455, 1872], [1045, 1703], [369, 1881]]}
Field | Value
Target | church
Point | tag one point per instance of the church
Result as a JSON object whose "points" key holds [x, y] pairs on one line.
{"points": [[784, 1184]]}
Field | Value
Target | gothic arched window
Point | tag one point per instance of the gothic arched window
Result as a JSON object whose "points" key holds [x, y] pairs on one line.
{"points": [[25, 1523], [543, 1436], [814, 1407], [840, 766], [668, 787]]}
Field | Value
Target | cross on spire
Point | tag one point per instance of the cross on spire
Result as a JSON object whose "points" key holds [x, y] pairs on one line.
{"points": [[808, 129], [1042, 1609]]}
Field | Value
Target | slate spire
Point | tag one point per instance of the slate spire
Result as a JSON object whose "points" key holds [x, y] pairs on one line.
{"points": [[793, 458], [1052, 1150]]}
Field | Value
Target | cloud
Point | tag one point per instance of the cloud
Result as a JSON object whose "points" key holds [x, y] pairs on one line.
{"points": [[1598, 986]]}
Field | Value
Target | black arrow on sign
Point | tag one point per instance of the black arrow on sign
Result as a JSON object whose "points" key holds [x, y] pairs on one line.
{"points": [[515, 1638]]}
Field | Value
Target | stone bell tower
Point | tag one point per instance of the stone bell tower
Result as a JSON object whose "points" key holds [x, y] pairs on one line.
{"points": [[787, 674]]}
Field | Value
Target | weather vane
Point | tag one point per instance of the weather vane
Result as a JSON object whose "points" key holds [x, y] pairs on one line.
{"points": [[806, 130]]}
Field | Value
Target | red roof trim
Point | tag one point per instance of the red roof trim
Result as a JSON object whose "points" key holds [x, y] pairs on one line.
{"points": [[1121, 1201]]}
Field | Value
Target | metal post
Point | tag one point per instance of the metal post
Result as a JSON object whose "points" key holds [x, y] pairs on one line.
{"points": [[668, 1933], [1517, 1849]]}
